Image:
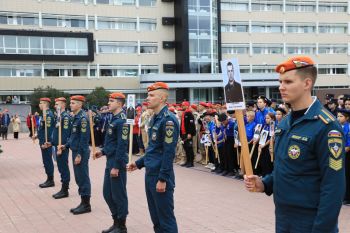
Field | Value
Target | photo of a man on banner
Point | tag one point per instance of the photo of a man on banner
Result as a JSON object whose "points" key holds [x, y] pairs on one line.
{"points": [[233, 85]]}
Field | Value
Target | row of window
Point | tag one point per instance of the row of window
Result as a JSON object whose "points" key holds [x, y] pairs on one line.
{"points": [[36, 45], [127, 47], [246, 48], [112, 2], [288, 27], [288, 6], [77, 21], [77, 71]]}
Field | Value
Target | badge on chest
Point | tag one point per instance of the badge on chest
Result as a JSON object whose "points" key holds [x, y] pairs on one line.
{"points": [[294, 152]]}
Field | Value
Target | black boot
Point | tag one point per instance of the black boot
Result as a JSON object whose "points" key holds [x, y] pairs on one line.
{"points": [[73, 209], [62, 193], [121, 228], [48, 183], [111, 228], [85, 207]]}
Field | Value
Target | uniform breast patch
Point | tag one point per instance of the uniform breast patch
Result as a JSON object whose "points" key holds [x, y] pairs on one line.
{"points": [[48, 122], [65, 123], [110, 131], [294, 152], [169, 132], [335, 146]]}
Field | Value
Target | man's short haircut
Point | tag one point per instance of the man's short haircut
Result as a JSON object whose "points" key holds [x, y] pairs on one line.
{"points": [[308, 72], [229, 64], [121, 101]]}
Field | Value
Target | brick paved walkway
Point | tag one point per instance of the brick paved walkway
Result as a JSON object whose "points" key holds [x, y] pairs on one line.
{"points": [[204, 203]]}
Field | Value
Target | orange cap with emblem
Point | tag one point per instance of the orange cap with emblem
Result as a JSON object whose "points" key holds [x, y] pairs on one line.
{"points": [[294, 63], [157, 85], [78, 98], [117, 95]]}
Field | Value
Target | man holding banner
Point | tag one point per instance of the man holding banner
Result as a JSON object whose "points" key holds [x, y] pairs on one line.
{"points": [[308, 180], [158, 160], [44, 135], [116, 150]]}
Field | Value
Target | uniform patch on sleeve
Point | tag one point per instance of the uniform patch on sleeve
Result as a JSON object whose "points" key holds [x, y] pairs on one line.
{"points": [[334, 134], [169, 132], [48, 121], [335, 147], [83, 125], [336, 165], [125, 132], [65, 123]]}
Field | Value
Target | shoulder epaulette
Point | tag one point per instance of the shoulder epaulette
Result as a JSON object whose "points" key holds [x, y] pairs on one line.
{"points": [[325, 116], [167, 113]]}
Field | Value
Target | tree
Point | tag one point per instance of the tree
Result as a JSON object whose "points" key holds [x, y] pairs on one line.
{"points": [[98, 97], [48, 92]]}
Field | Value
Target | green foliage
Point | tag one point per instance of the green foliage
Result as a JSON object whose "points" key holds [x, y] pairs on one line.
{"points": [[98, 97], [49, 92]]}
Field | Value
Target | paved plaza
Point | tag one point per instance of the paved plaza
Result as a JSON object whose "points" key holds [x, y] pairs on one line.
{"points": [[204, 203]]}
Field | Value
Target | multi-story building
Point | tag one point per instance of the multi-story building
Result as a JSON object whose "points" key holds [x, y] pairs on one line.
{"points": [[77, 45]]}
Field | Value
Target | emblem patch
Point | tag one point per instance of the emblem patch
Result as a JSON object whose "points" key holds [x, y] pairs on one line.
{"points": [[74, 129], [335, 146], [83, 125], [169, 132], [65, 123], [48, 123], [334, 134], [110, 131], [154, 136], [336, 165], [125, 132], [294, 152]]}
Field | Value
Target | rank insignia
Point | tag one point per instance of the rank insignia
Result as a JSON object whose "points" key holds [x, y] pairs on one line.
{"points": [[83, 125], [125, 132], [110, 131], [336, 165], [169, 131], [294, 152], [335, 146]]}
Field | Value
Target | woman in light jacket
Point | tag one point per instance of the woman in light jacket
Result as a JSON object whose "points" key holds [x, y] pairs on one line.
{"points": [[16, 123]]}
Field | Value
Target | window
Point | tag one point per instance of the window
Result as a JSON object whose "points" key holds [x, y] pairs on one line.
{"points": [[117, 23], [149, 69], [119, 71], [332, 49], [301, 49], [267, 49], [36, 45], [19, 71], [234, 27], [300, 6], [117, 47], [148, 24], [64, 21], [147, 2], [12, 18], [335, 28], [263, 69], [266, 27], [235, 49], [234, 6], [333, 7], [332, 69], [267, 7], [151, 47]]}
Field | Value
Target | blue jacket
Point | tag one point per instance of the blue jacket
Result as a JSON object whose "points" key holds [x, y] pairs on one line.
{"points": [[249, 128], [163, 136], [5, 120], [220, 135], [260, 115], [65, 128], [230, 128], [116, 141], [50, 124], [346, 129], [80, 134], [308, 172]]}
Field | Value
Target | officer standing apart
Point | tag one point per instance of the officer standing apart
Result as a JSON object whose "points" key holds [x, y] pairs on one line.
{"points": [[62, 156], [158, 160], [116, 150], [308, 181], [78, 142], [46, 148]]}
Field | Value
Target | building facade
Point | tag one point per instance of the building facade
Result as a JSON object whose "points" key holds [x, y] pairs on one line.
{"points": [[123, 45]]}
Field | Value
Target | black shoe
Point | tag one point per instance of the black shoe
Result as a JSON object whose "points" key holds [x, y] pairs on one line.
{"points": [[85, 206], [112, 228], [121, 228], [62, 193], [230, 174], [79, 206], [48, 183], [346, 202], [184, 165], [218, 171], [224, 173], [190, 165]]}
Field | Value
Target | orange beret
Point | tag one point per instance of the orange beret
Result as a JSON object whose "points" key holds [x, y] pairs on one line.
{"points": [[78, 97], [61, 99], [194, 106], [45, 99], [294, 63], [185, 103], [117, 95], [157, 85], [203, 104]]}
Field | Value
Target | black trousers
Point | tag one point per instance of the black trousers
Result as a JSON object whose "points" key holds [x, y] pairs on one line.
{"points": [[15, 135], [230, 155], [188, 147], [347, 176]]}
